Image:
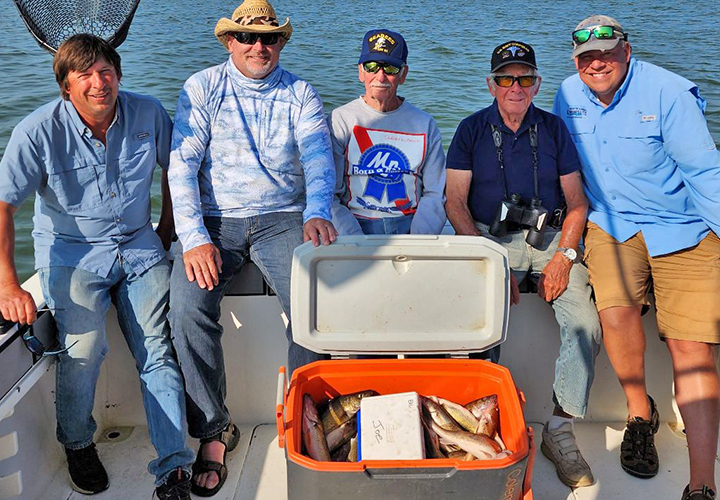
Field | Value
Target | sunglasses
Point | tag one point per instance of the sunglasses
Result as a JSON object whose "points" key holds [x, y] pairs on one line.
{"points": [[509, 80], [252, 38], [36, 347], [600, 33], [374, 67]]}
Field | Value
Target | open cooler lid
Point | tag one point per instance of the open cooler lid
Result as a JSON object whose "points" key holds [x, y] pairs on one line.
{"points": [[400, 294]]}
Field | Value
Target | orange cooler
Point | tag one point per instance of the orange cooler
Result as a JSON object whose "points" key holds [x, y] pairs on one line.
{"points": [[403, 295]]}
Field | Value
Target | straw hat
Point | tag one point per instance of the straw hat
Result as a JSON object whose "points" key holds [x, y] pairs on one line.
{"points": [[253, 16]]}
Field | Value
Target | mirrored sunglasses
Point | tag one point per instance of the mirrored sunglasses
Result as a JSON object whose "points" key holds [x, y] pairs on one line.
{"points": [[599, 32], [509, 80], [252, 38], [375, 66]]}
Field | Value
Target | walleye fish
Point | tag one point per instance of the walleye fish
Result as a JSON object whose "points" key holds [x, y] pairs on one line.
{"points": [[432, 442], [343, 408], [353, 453], [459, 413], [341, 454], [439, 415], [313, 434], [479, 445], [488, 414], [338, 437]]}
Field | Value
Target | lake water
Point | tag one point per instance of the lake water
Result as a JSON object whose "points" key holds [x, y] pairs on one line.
{"points": [[449, 53]]}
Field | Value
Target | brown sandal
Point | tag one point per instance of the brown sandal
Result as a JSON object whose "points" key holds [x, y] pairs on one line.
{"points": [[230, 437]]}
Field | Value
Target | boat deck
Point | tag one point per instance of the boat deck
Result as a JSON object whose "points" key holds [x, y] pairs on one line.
{"points": [[258, 471]]}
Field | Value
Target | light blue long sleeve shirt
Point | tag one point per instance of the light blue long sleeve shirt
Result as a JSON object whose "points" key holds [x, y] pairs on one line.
{"points": [[243, 147], [93, 201], [649, 161]]}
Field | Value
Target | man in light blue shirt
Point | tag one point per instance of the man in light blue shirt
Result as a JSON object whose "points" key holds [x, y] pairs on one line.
{"points": [[652, 176], [89, 157], [251, 176]]}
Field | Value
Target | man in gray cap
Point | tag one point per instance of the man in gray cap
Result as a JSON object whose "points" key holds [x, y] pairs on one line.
{"points": [[652, 177]]}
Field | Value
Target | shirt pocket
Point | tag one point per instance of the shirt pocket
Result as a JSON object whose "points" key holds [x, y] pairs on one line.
{"points": [[76, 186], [640, 147], [135, 168], [581, 131]]}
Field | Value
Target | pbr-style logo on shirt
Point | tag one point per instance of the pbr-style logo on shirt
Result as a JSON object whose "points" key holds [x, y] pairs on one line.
{"points": [[381, 42], [385, 164]]}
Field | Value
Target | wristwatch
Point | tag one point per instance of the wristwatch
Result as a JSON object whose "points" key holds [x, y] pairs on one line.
{"points": [[569, 253]]}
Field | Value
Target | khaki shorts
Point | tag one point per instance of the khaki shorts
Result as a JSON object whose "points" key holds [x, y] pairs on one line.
{"points": [[686, 283]]}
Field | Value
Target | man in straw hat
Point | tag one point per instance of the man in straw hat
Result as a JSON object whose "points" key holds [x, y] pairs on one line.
{"points": [[514, 158], [389, 161], [652, 176], [251, 174]]}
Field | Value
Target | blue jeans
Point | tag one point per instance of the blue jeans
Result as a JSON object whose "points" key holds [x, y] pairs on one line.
{"points": [[580, 332], [269, 240], [80, 302], [386, 225]]}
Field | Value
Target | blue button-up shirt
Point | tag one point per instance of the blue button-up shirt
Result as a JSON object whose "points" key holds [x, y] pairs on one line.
{"points": [[649, 161], [473, 148], [93, 201]]}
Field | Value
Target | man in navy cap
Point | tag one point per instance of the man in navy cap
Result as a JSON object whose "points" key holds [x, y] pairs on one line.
{"points": [[389, 161], [511, 167]]}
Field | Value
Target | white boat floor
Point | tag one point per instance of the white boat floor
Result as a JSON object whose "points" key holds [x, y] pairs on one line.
{"points": [[257, 468]]}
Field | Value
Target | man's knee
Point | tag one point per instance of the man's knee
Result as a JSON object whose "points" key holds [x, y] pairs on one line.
{"points": [[617, 318]]}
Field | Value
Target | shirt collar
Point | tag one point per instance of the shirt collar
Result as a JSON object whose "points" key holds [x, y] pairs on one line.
{"points": [[531, 117], [80, 125]]}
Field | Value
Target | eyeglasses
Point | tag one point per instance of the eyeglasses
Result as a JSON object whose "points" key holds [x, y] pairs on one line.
{"points": [[252, 38], [509, 80], [600, 32], [36, 347], [374, 67]]}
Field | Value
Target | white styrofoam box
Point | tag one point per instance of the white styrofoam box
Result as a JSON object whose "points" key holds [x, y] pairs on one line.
{"points": [[390, 427], [400, 294]]}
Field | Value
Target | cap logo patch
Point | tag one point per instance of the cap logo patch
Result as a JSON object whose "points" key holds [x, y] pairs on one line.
{"points": [[381, 42]]}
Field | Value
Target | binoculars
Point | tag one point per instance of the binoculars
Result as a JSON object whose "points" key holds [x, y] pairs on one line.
{"points": [[513, 210]]}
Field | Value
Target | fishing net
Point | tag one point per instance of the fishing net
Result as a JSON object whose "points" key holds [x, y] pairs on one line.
{"points": [[52, 22]]}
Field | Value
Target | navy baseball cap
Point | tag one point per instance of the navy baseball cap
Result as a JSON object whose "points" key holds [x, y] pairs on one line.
{"points": [[384, 46], [512, 53]]}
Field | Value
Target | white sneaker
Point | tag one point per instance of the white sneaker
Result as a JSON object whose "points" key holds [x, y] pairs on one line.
{"points": [[560, 447]]}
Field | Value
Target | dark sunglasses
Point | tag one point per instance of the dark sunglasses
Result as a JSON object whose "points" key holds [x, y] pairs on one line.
{"points": [[599, 32], [36, 347], [374, 67], [252, 38], [509, 80]]}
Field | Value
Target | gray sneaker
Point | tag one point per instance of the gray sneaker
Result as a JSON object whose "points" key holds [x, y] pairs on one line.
{"points": [[560, 447]]}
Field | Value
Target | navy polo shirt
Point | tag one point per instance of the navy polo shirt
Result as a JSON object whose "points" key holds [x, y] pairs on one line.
{"points": [[473, 149]]}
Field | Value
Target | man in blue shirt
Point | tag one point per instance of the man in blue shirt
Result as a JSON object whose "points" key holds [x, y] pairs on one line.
{"points": [[89, 157], [505, 164], [652, 177]]}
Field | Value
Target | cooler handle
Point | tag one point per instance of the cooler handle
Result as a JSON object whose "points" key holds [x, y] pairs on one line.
{"points": [[527, 489], [393, 474], [280, 407]]}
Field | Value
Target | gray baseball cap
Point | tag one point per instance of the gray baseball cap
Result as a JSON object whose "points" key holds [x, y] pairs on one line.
{"points": [[593, 43]]}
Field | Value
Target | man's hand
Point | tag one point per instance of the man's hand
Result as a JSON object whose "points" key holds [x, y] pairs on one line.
{"points": [[554, 278], [514, 291], [204, 265], [319, 231], [17, 305]]}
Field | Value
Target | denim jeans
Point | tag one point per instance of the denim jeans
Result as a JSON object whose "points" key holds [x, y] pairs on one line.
{"points": [[269, 240], [80, 301], [580, 332], [386, 225]]}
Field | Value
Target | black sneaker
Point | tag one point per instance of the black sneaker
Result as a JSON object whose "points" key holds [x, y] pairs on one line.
{"points": [[175, 487], [638, 455], [703, 493], [87, 474]]}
